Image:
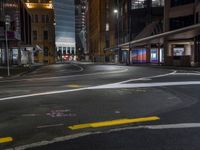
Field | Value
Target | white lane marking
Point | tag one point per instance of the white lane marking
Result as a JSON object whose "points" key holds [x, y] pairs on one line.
{"points": [[41, 94], [30, 115], [81, 68], [195, 74], [59, 139], [84, 134], [74, 90], [144, 85], [160, 127], [70, 76], [50, 126], [108, 86], [146, 78]]}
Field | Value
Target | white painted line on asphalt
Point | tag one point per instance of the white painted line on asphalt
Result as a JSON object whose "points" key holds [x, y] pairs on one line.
{"points": [[30, 115], [81, 68], [84, 134], [145, 85], [63, 77], [146, 78], [195, 74], [160, 127], [50, 126], [59, 139], [42, 94], [108, 86]]}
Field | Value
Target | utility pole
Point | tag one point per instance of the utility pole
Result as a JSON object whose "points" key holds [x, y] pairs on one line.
{"points": [[7, 24]]}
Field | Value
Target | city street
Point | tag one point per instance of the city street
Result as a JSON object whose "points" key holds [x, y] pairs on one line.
{"points": [[101, 107]]}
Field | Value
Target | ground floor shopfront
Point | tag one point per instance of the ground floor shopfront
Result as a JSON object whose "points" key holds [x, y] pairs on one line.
{"points": [[179, 47], [17, 55], [180, 53]]}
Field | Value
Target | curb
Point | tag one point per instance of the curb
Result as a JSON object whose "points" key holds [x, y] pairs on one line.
{"points": [[33, 68]]}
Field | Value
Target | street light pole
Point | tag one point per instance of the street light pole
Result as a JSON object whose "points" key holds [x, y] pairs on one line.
{"points": [[116, 11], [7, 23]]}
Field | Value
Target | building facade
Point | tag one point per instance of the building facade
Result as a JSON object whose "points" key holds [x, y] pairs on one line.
{"points": [[20, 50], [65, 29], [43, 30], [184, 49], [80, 24], [146, 19], [98, 28], [115, 22]]}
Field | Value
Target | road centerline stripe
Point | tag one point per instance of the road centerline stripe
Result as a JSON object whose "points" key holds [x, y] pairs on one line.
{"points": [[6, 140], [113, 123]]}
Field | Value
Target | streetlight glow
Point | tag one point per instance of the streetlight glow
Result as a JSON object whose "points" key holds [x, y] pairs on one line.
{"points": [[115, 11]]}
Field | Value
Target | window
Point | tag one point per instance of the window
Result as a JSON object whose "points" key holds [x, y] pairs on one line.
{"points": [[107, 27], [64, 51], [137, 4], [180, 22], [43, 18], [47, 19], [32, 18], [73, 50], [34, 35], [36, 18], [46, 35], [68, 50], [46, 51], [180, 2], [157, 3]]}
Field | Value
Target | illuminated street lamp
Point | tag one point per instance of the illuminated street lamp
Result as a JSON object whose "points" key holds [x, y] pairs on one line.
{"points": [[116, 11]]}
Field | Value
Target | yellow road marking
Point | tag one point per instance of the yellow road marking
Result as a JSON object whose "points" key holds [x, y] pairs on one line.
{"points": [[113, 123], [6, 140], [73, 86]]}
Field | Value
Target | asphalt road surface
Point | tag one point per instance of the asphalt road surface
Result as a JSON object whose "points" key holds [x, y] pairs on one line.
{"points": [[101, 107]]}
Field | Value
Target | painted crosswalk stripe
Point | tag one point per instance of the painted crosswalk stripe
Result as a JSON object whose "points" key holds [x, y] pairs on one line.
{"points": [[113, 123], [6, 140]]}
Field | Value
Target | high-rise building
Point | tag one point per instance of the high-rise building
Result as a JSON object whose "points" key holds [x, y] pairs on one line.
{"points": [[96, 29], [43, 30], [65, 29], [80, 22]]}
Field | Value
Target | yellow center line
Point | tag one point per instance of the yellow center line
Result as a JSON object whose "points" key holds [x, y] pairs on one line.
{"points": [[73, 86], [113, 123], [6, 140]]}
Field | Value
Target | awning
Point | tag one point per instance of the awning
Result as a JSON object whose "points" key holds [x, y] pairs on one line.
{"points": [[179, 34]]}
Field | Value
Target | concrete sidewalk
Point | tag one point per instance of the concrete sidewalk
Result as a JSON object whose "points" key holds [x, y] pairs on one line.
{"points": [[17, 70]]}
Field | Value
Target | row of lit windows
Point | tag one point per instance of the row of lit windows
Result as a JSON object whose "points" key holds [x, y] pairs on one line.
{"points": [[66, 50], [137, 4]]}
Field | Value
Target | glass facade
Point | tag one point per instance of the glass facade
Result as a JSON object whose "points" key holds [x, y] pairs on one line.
{"points": [[65, 24]]}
